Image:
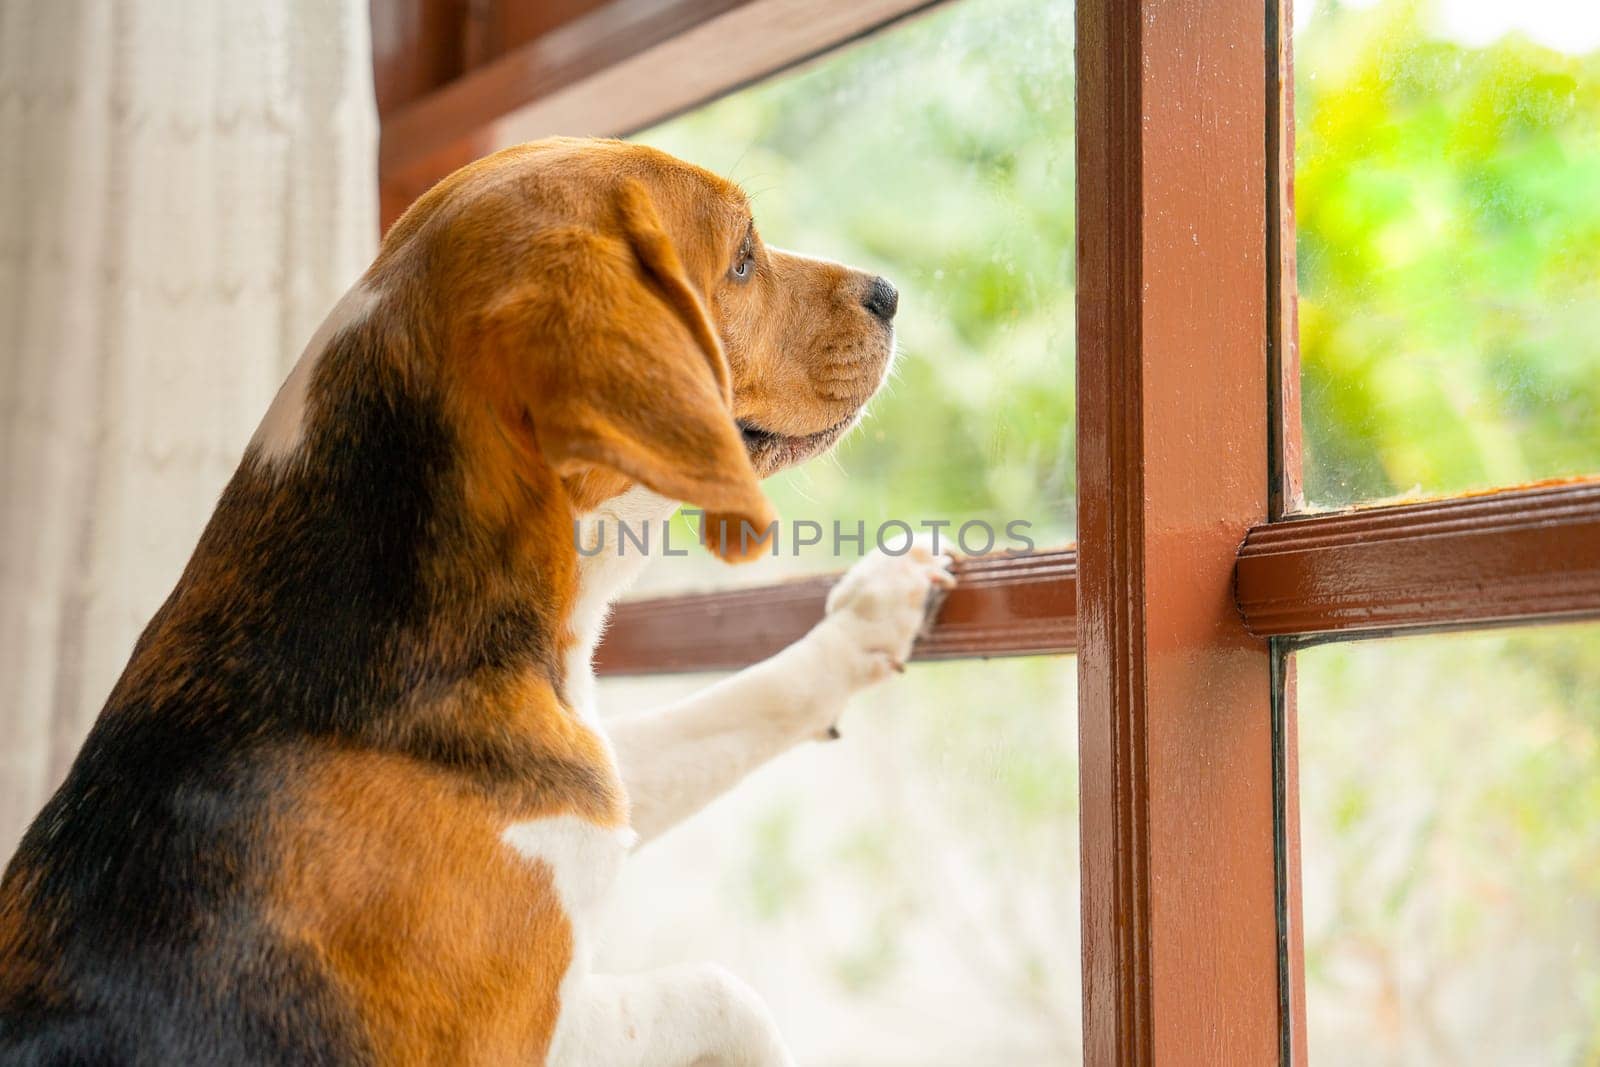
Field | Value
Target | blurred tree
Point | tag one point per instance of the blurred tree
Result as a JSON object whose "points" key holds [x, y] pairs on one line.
{"points": [[1448, 205], [921, 155]]}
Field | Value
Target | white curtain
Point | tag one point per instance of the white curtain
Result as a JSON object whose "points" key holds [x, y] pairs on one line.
{"points": [[186, 187]]}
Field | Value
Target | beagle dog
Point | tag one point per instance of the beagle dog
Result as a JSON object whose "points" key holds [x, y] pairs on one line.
{"points": [[350, 802]]}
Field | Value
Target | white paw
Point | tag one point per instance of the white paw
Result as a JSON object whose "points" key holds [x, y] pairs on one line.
{"points": [[879, 607]]}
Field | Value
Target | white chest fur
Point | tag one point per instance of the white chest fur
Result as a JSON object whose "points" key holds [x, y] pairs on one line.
{"points": [[583, 858], [584, 861], [604, 574]]}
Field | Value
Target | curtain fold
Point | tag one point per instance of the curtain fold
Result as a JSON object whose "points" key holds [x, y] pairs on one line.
{"points": [[186, 187]]}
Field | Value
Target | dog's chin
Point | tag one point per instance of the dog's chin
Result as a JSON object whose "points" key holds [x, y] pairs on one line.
{"points": [[772, 452]]}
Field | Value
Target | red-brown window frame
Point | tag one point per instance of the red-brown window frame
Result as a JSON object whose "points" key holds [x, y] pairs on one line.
{"points": [[1198, 568]]}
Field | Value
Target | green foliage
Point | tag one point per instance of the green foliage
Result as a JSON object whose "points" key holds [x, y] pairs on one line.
{"points": [[918, 155], [1448, 203], [776, 878]]}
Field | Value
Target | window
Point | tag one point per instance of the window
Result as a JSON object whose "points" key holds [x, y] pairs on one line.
{"points": [[1450, 806], [1446, 166], [902, 896], [1428, 329], [905, 896]]}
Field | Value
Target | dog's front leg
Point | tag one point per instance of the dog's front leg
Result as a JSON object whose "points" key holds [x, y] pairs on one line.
{"points": [[673, 1017], [675, 760]]}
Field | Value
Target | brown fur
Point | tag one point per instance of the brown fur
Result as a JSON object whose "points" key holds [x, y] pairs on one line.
{"points": [[439, 970]]}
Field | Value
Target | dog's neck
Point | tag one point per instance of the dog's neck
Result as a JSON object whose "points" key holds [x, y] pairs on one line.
{"points": [[606, 569]]}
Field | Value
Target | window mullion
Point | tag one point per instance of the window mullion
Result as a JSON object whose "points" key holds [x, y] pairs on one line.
{"points": [[1180, 946]]}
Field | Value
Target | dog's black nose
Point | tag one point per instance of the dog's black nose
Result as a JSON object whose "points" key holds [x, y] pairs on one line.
{"points": [[881, 299]]}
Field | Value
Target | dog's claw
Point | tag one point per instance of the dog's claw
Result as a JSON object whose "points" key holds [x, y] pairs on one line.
{"points": [[938, 593], [832, 733]]}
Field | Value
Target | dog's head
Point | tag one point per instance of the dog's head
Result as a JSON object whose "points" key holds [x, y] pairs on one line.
{"points": [[620, 314]]}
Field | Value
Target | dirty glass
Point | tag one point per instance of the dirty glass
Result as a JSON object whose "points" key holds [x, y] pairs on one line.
{"points": [[906, 896], [1450, 811], [1447, 188], [938, 153]]}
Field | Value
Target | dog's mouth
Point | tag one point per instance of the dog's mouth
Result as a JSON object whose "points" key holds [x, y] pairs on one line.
{"points": [[771, 452]]}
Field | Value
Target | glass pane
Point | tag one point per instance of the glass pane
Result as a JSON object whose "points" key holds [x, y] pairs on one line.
{"points": [[1447, 185], [1450, 804], [939, 154], [904, 897]]}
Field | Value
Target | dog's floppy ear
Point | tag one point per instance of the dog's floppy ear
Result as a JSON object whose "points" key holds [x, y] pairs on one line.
{"points": [[620, 366]]}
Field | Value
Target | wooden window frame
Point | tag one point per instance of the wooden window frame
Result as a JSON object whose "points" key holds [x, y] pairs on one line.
{"points": [[1198, 568]]}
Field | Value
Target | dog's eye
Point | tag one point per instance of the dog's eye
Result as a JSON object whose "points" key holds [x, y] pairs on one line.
{"points": [[744, 264]]}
